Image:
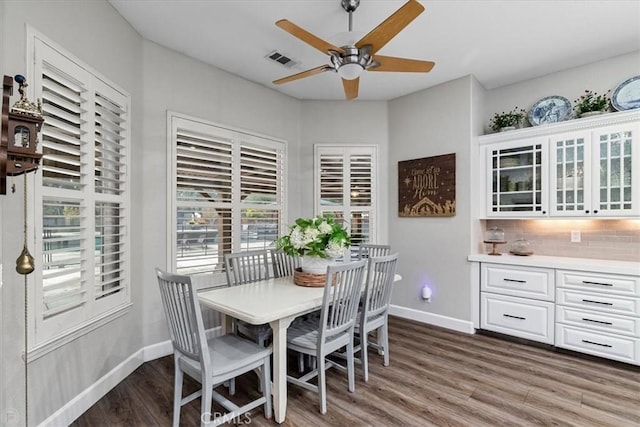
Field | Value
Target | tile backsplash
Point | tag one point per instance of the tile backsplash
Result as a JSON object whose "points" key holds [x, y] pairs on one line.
{"points": [[615, 239]]}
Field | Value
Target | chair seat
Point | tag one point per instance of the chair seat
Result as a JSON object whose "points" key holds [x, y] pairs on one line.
{"points": [[231, 353], [304, 333]]}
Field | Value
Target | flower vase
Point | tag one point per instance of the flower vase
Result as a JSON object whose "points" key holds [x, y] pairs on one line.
{"points": [[507, 128], [315, 265]]}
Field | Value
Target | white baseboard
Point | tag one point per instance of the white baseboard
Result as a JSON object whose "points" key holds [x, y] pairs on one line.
{"points": [[88, 397], [432, 319]]}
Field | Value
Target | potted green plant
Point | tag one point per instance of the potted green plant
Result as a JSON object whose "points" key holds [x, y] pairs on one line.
{"points": [[509, 120], [590, 103], [318, 240]]}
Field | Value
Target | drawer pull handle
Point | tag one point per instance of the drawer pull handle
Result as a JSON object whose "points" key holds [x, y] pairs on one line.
{"points": [[597, 343], [586, 282], [514, 317], [596, 321], [515, 281], [597, 302]]}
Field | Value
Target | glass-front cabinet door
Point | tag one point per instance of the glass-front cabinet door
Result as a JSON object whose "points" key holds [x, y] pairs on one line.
{"points": [[593, 172], [570, 174], [517, 179], [615, 179]]}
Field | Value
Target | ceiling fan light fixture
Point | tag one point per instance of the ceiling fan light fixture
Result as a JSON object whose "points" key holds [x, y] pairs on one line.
{"points": [[350, 71]]}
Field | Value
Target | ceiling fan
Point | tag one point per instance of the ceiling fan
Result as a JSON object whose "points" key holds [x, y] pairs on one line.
{"points": [[350, 61]]}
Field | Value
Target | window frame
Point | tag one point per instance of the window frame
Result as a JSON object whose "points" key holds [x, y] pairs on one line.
{"points": [[47, 334], [239, 138], [347, 209]]}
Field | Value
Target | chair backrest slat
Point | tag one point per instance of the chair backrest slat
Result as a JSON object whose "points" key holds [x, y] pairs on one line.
{"points": [[184, 318], [341, 298], [368, 250], [246, 267], [380, 277], [284, 265]]}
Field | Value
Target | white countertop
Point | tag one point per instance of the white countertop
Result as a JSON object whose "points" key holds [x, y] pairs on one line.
{"points": [[582, 264]]}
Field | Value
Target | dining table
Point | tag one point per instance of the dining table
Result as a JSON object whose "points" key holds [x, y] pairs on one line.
{"points": [[276, 301]]}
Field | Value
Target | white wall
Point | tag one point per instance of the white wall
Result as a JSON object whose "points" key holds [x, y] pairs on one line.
{"points": [[598, 76], [433, 250], [340, 122], [97, 34]]}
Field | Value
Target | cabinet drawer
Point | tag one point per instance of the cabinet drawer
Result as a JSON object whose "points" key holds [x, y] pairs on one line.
{"points": [[615, 304], [595, 282], [527, 282], [519, 317], [603, 322], [615, 347]]}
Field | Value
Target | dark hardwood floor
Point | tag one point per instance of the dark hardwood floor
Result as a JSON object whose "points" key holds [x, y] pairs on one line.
{"points": [[437, 377]]}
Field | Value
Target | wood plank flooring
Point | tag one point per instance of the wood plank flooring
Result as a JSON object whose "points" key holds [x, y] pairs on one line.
{"points": [[437, 377]]}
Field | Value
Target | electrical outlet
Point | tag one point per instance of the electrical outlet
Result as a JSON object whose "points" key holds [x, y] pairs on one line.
{"points": [[575, 236]]}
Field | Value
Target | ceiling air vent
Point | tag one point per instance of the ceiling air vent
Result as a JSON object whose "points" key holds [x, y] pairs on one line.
{"points": [[281, 59]]}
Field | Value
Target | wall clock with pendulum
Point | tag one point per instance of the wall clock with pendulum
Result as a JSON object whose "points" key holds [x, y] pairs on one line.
{"points": [[18, 156]]}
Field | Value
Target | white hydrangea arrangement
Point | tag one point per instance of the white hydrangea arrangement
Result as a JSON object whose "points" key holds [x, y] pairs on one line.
{"points": [[321, 237]]}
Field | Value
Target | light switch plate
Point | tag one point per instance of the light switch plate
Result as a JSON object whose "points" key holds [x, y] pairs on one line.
{"points": [[576, 236]]}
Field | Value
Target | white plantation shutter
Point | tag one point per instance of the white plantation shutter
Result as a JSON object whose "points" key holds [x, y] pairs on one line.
{"points": [[227, 191], [82, 240], [345, 188]]}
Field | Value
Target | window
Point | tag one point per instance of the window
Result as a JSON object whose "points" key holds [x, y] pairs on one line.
{"points": [[226, 192], [345, 187], [82, 190]]}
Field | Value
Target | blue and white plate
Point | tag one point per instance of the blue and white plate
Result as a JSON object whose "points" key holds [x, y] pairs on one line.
{"points": [[551, 109], [627, 95]]}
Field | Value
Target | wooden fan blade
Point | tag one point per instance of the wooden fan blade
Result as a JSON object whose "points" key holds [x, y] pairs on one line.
{"points": [[310, 39], [391, 63], [351, 87], [303, 74], [391, 26]]}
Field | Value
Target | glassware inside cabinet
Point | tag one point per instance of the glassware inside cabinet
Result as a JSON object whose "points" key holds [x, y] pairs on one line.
{"points": [[516, 179]]}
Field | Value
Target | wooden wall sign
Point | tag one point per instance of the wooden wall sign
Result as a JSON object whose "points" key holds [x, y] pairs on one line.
{"points": [[427, 186]]}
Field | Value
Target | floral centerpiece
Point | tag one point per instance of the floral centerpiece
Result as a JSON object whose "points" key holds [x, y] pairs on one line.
{"points": [[512, 118], [315, 239], [591, 102]]}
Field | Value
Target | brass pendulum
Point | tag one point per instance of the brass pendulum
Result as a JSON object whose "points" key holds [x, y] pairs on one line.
{"points": [[25, 262]]}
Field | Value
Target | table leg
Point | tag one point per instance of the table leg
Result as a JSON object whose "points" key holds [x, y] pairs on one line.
{"points": [[226, 324], [279, 390]]}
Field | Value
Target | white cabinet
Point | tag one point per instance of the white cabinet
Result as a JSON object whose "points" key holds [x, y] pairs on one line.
{"points": [[584, 305], [592, 172], [599, 314], [578, 168], [517, 301]]}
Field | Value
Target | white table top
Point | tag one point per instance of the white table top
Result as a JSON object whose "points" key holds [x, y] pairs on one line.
{"points": [[265, 301]]}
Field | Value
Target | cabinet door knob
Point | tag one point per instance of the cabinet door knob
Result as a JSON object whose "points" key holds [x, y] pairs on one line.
{"points": [[595, 211], [586, 211], [544, 212]]}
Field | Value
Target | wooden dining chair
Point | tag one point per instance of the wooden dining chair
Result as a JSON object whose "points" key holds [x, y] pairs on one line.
{"points": [[369, 250], [283, 264], [248, 267], [208, 361], [374, 313], [333, 330]]}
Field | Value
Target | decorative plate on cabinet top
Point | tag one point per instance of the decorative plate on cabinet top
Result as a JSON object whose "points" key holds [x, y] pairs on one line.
{"points": [[626, 96], [551, 109]]}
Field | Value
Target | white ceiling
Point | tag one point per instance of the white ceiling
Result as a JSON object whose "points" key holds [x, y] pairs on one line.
{"points": [[499, 42]]}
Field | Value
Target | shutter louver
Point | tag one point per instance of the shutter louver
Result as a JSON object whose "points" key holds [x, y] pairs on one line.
{"points": [[203, 168], [63, 280], [331, 180], [109, 249], [109, 146], [62, 131]]}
